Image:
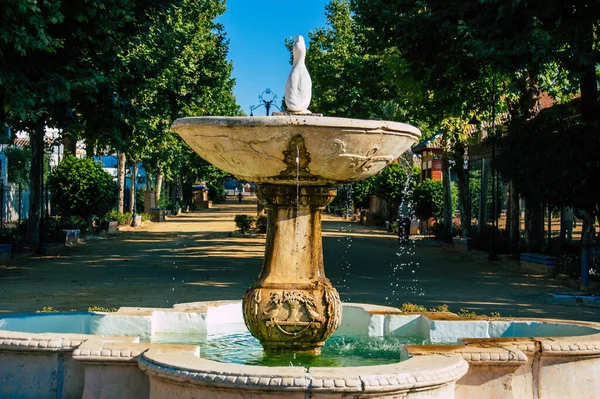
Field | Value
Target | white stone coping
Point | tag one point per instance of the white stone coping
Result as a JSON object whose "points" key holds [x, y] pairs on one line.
{"points": [[25, 342], [579, 338], [299, 120], [476, 355], [420, 372]]}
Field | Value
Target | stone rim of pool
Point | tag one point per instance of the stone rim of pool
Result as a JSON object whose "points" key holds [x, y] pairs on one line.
{"points": [[174, 369]]}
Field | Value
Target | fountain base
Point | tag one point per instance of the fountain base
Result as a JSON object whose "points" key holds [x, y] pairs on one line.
{"points": [[292, 319], [292, 307]]}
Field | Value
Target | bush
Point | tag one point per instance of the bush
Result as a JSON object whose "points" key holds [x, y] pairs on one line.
{"points": [[80, 187], [145, 216], [122, 218], [244, 222], [72, 222], [261, 224]]}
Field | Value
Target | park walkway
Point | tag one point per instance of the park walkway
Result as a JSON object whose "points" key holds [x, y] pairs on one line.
{"points": [[194, 257]]}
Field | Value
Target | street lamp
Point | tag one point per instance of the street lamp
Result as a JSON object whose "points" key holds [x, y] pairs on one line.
{"points": [[267, 99]]}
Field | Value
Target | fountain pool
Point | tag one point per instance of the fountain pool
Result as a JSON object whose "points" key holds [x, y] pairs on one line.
{"points": [[124, 355]]}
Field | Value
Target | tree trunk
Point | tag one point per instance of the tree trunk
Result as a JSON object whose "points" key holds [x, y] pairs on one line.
{"points": [[534, 225], [447, 192], [132, 183], [462, 182], [483, 194], [90, 148], [514, 219], [589, 80], [159, 184], [70, 144], [549, 210], [36, 176], [121, 182]]}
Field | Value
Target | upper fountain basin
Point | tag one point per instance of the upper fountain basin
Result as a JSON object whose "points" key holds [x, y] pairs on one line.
{"points": [[306, 149]]}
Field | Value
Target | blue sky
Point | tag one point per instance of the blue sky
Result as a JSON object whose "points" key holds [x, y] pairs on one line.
{"points": [[257, 32]]}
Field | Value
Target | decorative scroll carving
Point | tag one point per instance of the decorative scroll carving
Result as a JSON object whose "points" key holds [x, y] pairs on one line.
{"points": [[296, 158]]}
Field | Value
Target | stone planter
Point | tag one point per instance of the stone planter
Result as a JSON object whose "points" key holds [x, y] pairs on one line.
{"points": [[158, 215], [71, 236], [538, 263], [5, 251], [462, 244], [110, 226]]}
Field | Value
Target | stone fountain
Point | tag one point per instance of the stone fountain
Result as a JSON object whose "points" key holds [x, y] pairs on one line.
{"points": [[298, 159]]}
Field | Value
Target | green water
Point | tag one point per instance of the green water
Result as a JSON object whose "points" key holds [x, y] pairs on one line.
{"points": [[338, 351]]}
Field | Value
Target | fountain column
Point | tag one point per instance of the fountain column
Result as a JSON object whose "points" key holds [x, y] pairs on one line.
{"points": [[292, 306]]}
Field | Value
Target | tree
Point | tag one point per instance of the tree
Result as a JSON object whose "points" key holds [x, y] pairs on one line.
{"points": [[80, 187], [344, 74], [391, 185], [428, 200], [50, 51], [563, 172]]}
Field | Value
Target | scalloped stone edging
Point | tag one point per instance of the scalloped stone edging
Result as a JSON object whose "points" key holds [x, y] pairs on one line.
{"points": [[501, 357]]}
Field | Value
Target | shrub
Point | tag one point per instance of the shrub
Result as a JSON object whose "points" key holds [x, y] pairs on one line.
{"points": [[261, 224], [244, 222], [72, 222], [80, 187], [145, 216], [122, 218]]}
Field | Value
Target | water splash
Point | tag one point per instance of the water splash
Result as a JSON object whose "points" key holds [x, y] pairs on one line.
{"points": [[346, 244], [403, 275]]}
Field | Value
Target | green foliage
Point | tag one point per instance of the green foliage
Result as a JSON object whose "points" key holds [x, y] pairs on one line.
{"points": [[47, 309], [261, 224], [101, 309], [80, 187], [552, 159], [414, 308], [428, 199], [362, 191], [244, 222], [19, 161], [345, 77], [390, 183], [122, 218], [72, 222]]}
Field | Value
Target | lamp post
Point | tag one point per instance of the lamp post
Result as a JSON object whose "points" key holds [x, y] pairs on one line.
{"points": [[266, 99]]}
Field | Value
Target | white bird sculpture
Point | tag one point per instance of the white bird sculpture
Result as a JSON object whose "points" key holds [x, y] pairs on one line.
{"points": [[298, 88]]}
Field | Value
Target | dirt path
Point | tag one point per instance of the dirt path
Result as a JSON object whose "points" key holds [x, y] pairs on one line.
{"points": [[193, 258]]}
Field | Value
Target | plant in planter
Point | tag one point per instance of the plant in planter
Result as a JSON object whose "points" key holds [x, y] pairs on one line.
{"points": [[261, 224], [244, 222], [113, 215]]}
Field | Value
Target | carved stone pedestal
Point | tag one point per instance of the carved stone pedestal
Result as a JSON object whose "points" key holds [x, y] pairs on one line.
{"points": [[292, 306]]}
